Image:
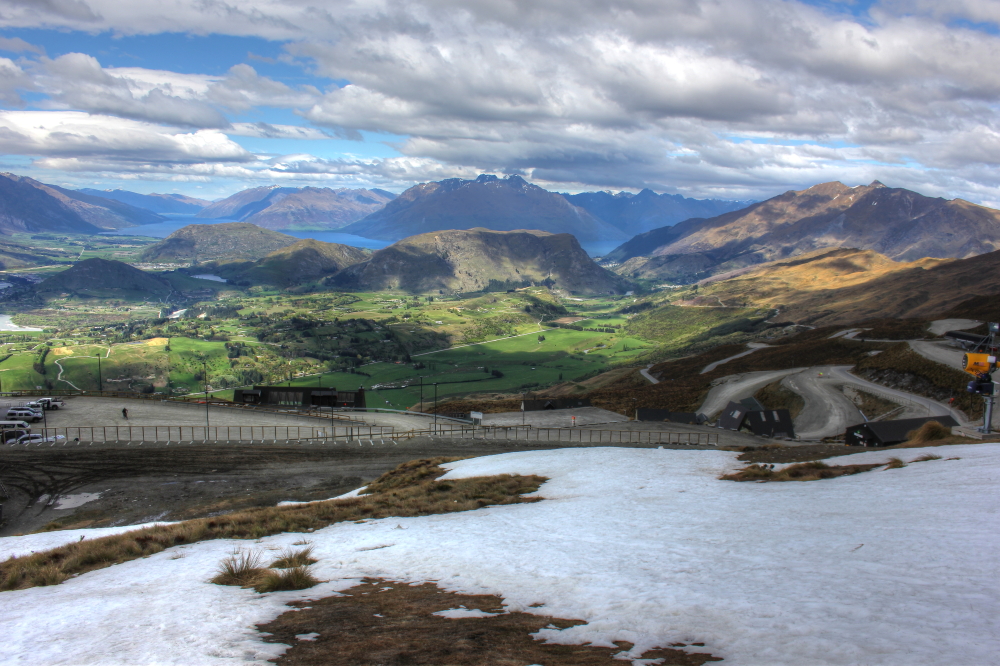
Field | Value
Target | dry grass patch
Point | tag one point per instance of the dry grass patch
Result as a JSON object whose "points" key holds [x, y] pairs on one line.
{"points": [[294, 578], [932, 431], [294, 558], [241, 568], [381, 623], [413, 492], [814, 470], [895, 463], [806, 471]]}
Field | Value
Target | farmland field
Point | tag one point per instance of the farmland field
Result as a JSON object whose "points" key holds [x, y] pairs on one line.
{"points": [[390, 343]]}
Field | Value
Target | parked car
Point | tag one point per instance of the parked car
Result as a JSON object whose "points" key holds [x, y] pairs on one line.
{"points": [[38, 438], [24, 414], [50, 403]]}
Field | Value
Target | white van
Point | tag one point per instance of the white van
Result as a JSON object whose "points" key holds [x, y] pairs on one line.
{"points": [[11, 430], [24, 414]]}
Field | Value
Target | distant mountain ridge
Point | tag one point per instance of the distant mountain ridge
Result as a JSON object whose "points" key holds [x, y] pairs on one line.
{"points": [[500, 204], [29, 205], [647, 210], [901, 224], [303, 261], [103, 278], [844, 286], [316, 208], [158, 203], [225, 241], [471, 260]]}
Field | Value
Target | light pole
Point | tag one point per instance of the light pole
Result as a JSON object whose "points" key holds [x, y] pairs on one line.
{"points": [[204, 372], [435, 407], [524, 398], [421, 394], [100, 379]]}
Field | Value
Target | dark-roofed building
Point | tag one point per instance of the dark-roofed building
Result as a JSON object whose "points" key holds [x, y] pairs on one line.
{"points": [[761, 422], [647, 414], [300, 396], [887, 433], [537, 405]]}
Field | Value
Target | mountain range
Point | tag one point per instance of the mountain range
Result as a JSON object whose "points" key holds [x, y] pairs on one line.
{"points": [[28, 205], [898, 223], [317, 208], [158, 203], [638, 213], [478, 259]]}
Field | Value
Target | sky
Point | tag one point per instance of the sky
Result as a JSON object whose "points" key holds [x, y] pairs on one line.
{"points": [[733, 99]]}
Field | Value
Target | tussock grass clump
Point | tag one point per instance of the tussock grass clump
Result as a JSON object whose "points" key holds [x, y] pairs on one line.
{"points": [[294, 558], [895, 463], [294, 578], [926, 457], [413, 493], [241, 568], [931, 431], [807, 471]]}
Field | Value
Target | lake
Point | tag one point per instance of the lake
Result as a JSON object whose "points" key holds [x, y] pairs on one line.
{"points": [[177, 221], [7, 325]]}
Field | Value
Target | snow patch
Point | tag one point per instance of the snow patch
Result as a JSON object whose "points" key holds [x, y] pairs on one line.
{"points": [[463, 612]]}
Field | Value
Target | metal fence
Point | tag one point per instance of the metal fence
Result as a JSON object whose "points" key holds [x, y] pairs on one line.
{"points": [[190, 433], [569, 435]]}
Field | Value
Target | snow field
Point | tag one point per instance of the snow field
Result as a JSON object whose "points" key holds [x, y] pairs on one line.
{"points": [[647, 546]]}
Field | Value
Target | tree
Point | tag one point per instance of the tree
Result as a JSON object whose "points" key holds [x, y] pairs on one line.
{"points": [[541, 338]]}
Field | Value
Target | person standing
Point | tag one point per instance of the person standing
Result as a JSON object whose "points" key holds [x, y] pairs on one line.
{"points": [[125, 413]]}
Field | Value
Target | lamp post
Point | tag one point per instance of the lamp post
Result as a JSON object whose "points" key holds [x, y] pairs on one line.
{"points": [[204, 372], [524, 397], [435, 407], [100, 378], [421, 393]]}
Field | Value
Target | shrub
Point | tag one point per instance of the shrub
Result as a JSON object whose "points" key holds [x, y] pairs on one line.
{"points": [[928, 432], [292, 558], [241, 567], [295, 578]]}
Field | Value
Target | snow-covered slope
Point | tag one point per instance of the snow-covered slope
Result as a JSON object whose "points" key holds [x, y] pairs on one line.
{"points": [[887, 567]]}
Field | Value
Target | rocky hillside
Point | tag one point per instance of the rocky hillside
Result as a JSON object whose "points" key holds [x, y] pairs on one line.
{"points": [[844, 286], [227, 241], [317, 208], [158, 203], [476, 259], [304, 261], [28, 205], [647, 210], [501, 204], [898, 223], [101, 278]]}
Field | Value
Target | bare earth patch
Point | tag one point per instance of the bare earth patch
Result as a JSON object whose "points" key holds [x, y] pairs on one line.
{"points": [[384, 623]]}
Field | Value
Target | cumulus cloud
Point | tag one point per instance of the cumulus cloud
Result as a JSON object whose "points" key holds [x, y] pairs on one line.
{"points": [[76, 135], [78, 81], [706, 96]]}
